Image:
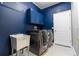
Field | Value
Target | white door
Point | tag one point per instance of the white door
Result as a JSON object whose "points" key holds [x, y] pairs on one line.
{"points": [[62, 28]]}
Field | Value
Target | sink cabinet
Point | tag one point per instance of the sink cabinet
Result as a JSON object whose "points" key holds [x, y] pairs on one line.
{"points": [[19, 41]]}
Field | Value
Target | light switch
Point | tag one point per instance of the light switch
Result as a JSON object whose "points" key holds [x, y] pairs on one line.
{"points": [[78, 37]]}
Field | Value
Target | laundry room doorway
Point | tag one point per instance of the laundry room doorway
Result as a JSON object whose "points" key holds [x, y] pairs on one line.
{"points": [[62, 28]]}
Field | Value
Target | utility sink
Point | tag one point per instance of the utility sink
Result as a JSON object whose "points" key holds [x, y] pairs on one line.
{"points": [[17, 35], [19, 41]]}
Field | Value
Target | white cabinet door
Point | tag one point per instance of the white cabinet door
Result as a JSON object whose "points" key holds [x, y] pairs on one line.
{"points": [[62, 28]]}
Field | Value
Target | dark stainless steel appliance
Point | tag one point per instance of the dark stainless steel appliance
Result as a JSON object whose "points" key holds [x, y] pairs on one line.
{"points": [[38, 43]]}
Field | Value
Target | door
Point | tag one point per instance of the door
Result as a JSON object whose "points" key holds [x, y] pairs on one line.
{"points": [[62, 28]]}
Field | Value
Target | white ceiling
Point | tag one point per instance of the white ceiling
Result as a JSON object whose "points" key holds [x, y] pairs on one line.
{"points": [[43, 5]]}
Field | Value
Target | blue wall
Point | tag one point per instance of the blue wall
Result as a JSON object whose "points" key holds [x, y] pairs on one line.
{"points": [[48, 13], [12, 20]]}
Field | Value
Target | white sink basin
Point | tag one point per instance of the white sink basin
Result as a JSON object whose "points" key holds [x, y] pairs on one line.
{"points": [[17, 35], [19, 41]]}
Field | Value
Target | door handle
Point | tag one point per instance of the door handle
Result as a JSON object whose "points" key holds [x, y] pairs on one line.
{"points": [[55, 30]]}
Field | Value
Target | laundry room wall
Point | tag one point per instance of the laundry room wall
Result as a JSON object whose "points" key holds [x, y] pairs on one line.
{"points": [[12, 20], [48, 13], [75, 26]]}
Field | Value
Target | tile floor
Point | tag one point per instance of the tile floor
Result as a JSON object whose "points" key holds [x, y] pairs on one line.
{"points": [[57, 50]]}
